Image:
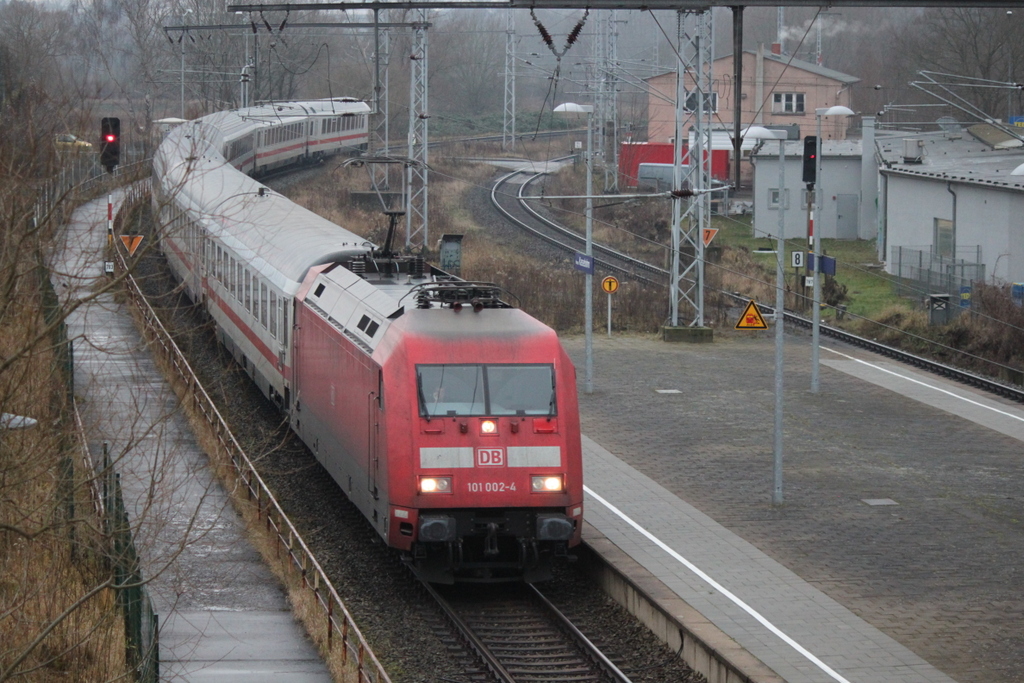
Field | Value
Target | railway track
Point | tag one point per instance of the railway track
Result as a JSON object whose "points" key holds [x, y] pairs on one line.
{"points": [[514, 206], [520, 636], [516, 209]]}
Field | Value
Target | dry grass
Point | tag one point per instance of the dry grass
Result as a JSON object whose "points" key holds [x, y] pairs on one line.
{"points": [[547, 288], [51, 565], [988, 339]]}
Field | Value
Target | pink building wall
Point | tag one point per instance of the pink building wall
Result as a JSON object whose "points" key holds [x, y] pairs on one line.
{"points": [[762, 78]]}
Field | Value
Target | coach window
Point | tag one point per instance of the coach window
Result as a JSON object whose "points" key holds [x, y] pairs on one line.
{"points": [[284, 321], [273, 314], [231, 275], [247, 284], [263, 304]]}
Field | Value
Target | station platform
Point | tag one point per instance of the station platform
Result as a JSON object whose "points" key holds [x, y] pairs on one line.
{"points": [[895, 554], [223, 615]]}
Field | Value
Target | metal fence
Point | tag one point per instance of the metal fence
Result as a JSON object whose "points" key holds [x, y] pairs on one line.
{"points": [[80, 180], [341, 628], [920, 272]]}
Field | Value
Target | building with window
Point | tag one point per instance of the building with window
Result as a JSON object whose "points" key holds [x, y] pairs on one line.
{"points": [[777, 91], [945, 206], [842, 180], [950, 206]]}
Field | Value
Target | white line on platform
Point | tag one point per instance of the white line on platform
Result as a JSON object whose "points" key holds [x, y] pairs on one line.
{"points": [[925, 384], [720, 588]]}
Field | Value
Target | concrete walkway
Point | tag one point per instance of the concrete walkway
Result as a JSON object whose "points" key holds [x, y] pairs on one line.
{"points": [[223, 614]]}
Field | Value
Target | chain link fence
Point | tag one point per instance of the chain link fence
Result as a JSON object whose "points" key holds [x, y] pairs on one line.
{"points": [[920, 272]]}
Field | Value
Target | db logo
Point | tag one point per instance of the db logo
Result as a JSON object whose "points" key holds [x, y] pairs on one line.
{"points": [[490, 457]]}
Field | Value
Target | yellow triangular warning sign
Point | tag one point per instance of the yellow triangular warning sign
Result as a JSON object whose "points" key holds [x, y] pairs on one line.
{"points": [[751, 318], [709, 234], [131, 243]]}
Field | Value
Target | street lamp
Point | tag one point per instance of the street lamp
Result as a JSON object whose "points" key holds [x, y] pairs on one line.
{"points": [[573, 108], [761, 133], [836, 110]]}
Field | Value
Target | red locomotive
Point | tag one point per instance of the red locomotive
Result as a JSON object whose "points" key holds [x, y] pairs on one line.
{"points": [[447, 416]]}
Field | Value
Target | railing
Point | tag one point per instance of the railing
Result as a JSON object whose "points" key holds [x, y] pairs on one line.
{"points": [[85, 178], [338, 622]]}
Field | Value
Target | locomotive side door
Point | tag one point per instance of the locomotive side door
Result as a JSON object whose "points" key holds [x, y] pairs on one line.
{"points": [[375, 399]]}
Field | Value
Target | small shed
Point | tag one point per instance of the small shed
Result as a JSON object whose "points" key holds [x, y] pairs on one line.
{"points": [[840, 183]]}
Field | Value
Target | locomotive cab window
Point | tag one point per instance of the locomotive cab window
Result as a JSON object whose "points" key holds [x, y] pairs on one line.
{"points": [[494, 390]]}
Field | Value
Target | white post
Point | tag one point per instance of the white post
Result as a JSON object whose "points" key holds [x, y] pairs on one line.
{"points": [[183, 15], [609, 314], [589, 298], [780, 301], [835, 110], [813, 255]]}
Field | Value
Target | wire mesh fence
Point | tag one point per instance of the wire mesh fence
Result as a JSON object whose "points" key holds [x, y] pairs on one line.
{"points": [[921, 272]]}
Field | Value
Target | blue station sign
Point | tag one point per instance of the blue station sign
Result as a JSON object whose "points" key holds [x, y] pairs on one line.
{"points": [[584, 263]]}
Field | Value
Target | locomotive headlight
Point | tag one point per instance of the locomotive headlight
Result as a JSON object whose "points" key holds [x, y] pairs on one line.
{"points": [[435, 484], [488, 427], [547, 483]]}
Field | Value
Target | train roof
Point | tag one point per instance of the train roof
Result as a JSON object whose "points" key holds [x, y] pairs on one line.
{"points": [[235, 123], [280, 239]]}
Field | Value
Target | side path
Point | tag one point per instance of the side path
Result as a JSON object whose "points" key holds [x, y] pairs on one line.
{"points": [[223, 614]]}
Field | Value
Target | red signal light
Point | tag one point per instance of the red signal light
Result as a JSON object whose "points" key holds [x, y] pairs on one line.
{"points": [[111, 137]]}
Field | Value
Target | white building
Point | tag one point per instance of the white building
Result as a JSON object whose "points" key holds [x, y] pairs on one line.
{"points": [[840, 215], [947, 207], [952, 204]]}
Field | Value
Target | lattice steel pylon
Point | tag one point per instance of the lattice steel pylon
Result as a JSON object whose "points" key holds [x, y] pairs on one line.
{"points": [[508, 129], [694, 88], [416, 229], [605, 114], [381, 130]]}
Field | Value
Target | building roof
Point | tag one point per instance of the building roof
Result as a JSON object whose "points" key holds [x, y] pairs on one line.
{"points": [[784, 59], [809, 66], [973, 155], [795, 149]]}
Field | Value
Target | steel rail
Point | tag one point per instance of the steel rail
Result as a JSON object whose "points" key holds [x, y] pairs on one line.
{"points": [[606, 250], [589, 648], [562, 230], [490, 660], [987, 384]]}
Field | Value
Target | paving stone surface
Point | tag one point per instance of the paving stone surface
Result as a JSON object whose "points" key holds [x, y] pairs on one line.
{"points": [[939, 571]]}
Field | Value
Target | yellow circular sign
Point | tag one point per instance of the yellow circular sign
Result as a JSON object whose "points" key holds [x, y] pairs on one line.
{"points": [[610, 284]]}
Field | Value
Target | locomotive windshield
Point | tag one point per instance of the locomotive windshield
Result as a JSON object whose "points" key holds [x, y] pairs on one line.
{"points": [[447, 390]]}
